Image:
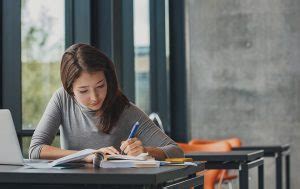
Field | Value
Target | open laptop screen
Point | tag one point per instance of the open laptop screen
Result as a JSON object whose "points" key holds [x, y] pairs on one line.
{"points": [[9, 144]]}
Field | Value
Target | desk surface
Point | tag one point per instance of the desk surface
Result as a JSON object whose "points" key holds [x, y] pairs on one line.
{"points": [[90, 175], [226, 156], [269, 150]]}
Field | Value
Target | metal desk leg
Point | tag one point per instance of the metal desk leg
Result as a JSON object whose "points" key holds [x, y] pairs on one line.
{"points": [[287, 171], [243, 176], [261, 177], [279, 171]]}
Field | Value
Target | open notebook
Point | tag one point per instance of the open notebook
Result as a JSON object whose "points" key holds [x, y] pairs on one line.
{"points": [[141, 157], [100, 160], [124, 161], [59, 163]]}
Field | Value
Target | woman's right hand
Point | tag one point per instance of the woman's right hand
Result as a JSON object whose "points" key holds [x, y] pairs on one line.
{"points": [[106, 150]]}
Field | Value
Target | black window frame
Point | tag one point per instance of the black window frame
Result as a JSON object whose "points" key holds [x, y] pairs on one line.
{"points": [[158, 65], [11, 60], [178, 72]]}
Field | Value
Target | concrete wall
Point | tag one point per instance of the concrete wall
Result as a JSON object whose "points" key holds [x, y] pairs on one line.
{"points": [[244, 74]]}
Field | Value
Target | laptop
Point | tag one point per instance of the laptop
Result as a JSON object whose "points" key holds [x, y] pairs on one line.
{"points": [[10, 151]]}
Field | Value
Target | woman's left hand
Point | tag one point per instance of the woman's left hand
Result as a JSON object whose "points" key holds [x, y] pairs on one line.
{"points": [[132, 147]]}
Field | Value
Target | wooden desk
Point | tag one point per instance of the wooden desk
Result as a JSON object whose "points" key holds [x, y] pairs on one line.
{"points": [[13, 177], [241, 160], [278, 152]]}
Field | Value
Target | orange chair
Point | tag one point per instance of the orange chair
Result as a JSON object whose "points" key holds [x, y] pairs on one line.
{"points": [[210, 176], [234, 142]]}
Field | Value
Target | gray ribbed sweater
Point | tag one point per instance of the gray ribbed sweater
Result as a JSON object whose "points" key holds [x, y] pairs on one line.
{"points": [[78, 130]]}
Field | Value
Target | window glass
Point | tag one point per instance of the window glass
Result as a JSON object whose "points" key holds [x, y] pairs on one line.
{"points": [[142, 54], [43, 42], [167, 30]]}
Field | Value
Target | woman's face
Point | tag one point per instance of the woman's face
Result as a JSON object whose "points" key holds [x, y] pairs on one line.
{"points": [[90, 89]]}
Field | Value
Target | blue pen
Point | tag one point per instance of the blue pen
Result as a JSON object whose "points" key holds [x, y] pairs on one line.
{"points": [[134, 130]]}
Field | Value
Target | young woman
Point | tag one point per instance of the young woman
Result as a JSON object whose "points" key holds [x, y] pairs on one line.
{"points": [[92, 112]]}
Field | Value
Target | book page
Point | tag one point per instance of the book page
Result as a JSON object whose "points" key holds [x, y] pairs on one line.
{"points": [[73, 157], [141, 157]]}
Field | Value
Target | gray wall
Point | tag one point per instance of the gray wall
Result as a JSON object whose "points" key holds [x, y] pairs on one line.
{"points": [[244, 74]]}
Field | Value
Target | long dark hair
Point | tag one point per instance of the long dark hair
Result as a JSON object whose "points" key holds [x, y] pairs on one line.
{"points": [[83, 57]]}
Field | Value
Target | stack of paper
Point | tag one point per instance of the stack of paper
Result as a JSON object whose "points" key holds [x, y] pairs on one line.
{"points": [[122, 161], [128, 163]]}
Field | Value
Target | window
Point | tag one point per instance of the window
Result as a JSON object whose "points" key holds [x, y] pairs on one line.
{"points": [[142, 56], [39, 41], [151, 40], [167, 113], [42, 44]]}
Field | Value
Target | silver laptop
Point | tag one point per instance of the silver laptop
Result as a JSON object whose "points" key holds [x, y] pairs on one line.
{"points": [[10, 151]]}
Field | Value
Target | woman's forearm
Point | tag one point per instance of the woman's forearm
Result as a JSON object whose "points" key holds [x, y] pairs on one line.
{"points": [[51, 152]]}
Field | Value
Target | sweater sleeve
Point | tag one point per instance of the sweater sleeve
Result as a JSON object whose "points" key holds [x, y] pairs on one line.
{"points": [[152, 136], [48, 126]]}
